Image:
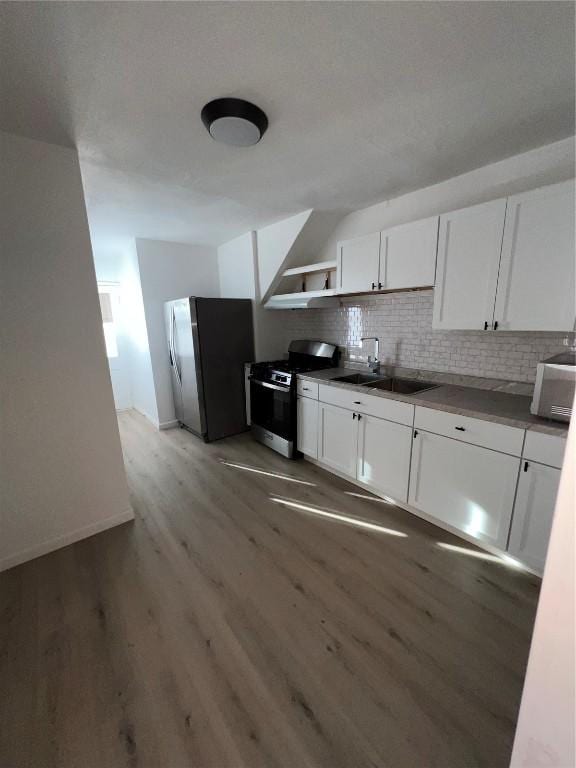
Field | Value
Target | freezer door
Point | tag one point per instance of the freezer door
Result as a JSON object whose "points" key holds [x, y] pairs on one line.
{"points": [[188, 367], [225, 339]]}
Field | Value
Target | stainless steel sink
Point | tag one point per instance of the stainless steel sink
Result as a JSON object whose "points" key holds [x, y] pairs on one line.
{"points": [[359, 378], [402, 386]]}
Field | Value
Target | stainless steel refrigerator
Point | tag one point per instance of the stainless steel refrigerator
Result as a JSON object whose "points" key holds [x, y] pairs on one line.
{"points": [[209, 341]]}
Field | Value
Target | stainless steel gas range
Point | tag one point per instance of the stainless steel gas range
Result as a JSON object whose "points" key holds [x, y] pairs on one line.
{"points": [[273, 393]]}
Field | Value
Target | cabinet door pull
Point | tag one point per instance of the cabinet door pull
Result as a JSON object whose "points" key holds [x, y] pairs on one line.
{"points": [[526, 465], [486, 325], [305, 389], [496, 325], [379, 286], [357, 402], [415, 433], [359, 416], [353, 415], [373, 286], [460, 429]]}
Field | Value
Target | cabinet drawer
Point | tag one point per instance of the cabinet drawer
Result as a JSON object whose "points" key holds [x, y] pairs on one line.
{"points": [[383, 408], [487, 434], [547, 449], [307, 388]]}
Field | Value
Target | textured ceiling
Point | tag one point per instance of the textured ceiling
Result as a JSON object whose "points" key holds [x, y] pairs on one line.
{"points": [[366, 101]]}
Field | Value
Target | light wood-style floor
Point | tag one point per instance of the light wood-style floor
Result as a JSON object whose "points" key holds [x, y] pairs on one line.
{"points": [[223, 629]]}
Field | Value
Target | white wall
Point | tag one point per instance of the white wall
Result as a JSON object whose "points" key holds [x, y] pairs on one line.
{"points": [[62, 474], [239, 279], [170, 271], [109, 265], [274, 244], [545, 165], [237, 268], [546, 735], [142, 389]]}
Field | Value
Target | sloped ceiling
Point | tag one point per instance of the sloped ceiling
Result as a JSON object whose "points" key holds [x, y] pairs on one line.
{"points": [[366, 101]]}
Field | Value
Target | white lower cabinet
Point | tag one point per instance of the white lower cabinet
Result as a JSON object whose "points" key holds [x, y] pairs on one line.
{"points": [[337, 438], [467, 483], [373, 451], [465, 486], [533, 513], [307, 426], [384, 456]]}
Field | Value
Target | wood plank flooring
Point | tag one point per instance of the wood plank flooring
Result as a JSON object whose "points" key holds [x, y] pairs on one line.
{"points": [[224, 629]]}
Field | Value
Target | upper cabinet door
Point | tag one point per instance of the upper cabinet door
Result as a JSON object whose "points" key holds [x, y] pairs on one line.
{"points": [[469, 244], [536, 281], [408, 255], [359, 263]]}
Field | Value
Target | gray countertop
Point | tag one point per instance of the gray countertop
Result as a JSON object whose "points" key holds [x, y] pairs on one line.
{"points": [[489, 399]]}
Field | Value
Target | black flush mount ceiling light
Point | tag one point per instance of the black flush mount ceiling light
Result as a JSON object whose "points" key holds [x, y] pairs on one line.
{"points": [[234, 121]]}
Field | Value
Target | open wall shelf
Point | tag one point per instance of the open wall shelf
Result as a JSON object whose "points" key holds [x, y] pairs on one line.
{"points": [[310, 269], [306, 283]]}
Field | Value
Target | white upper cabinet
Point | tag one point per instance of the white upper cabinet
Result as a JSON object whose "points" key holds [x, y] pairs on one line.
{"points": [[536, 280], [509, 264], [408, 255], [359, 264], [505, 265], [469, 244], [397, 258], [533, 513]]}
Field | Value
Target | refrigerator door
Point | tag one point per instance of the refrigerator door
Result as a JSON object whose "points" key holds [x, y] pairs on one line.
{"points": [[187, 368], [225, 340], [174, 366]]}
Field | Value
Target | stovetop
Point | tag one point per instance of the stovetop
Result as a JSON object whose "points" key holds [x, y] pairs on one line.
{"points": [[303, 356], [283, 372]]}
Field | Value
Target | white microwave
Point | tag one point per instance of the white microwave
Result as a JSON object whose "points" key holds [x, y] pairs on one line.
{"points": [[555, 387]]}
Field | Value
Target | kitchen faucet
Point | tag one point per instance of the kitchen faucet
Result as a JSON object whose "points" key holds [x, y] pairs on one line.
{"points": [[373, 364]]}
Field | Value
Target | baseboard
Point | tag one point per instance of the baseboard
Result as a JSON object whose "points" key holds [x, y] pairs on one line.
{"points": [[151, 419], [168, 424], [158, 424], [65, 540]]}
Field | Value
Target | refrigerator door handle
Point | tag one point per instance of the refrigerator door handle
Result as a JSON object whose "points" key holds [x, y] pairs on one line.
{"points": [[171, 341], [172, 347]]}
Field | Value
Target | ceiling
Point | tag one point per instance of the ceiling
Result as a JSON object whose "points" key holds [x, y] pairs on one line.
{"points": [[366, 101]]}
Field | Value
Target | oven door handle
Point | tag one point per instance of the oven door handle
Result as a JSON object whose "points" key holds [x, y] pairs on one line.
{"points": [[269, 386]]}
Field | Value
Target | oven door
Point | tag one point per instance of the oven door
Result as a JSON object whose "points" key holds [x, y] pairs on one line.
{"points": [[273, 409]]}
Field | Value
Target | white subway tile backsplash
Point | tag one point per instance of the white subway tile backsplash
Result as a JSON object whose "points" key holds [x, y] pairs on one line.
{"points": [[403, 323]]}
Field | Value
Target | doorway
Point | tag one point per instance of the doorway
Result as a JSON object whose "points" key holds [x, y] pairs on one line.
{"points": [[110, 297]]}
